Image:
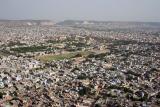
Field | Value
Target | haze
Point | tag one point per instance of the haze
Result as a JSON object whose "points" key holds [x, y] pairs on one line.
{"points": [[106, 10]]}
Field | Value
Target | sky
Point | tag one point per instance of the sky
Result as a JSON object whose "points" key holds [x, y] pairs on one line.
{"points": [[104, 10]]}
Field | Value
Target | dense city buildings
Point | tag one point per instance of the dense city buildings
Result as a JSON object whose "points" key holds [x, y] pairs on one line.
{"points": [[79, 64]]}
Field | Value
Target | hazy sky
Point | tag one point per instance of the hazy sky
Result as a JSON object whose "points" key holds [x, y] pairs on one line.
{"points": [[108, 10]]}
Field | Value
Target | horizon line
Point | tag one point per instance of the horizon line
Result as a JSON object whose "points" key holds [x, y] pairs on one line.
{"points": [[79, 20]]}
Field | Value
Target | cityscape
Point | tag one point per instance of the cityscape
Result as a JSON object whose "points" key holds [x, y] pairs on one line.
{"points": [[79, 53], [79, 64]]}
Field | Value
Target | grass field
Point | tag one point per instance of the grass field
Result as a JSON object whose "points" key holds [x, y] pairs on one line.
{"points": [[50, 57], [29, 49]]}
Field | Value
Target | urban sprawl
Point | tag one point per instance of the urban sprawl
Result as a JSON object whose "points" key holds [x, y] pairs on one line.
{"points": [[79, 64]]}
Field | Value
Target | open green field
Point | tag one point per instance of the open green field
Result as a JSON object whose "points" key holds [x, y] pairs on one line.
{"points": [[50, 57], [29, 49]]}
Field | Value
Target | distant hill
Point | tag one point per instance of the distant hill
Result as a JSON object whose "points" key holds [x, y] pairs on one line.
{"points": [[26, 22], [111, 24]]}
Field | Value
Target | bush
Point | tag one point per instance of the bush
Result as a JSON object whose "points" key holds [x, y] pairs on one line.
{"points": [[82, 76]]}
